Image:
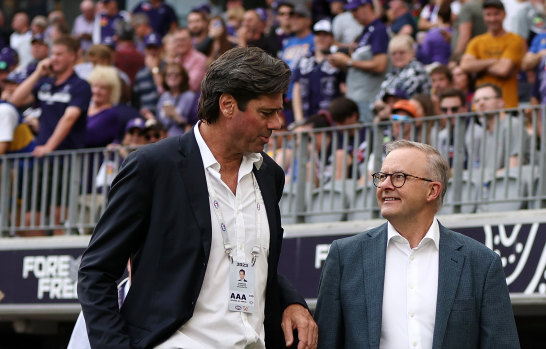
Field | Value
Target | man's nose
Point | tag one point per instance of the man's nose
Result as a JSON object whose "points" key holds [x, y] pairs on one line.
{"points": [[275, 122]]}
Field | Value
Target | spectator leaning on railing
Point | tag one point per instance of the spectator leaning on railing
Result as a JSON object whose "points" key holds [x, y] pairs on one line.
{"points": [[62, 96], [511, 133]]}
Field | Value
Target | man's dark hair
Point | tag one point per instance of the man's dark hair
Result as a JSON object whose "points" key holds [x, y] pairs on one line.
{"points": [[444, 12], [341, 108], [246, 73], [203, 14], [442, 69], [124, 31], [496, 88], [242, 270], [453, 92], [69, 42], [318, 121]]}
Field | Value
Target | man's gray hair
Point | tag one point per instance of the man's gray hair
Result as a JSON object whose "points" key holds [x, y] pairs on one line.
{"points": [[246, 73], [438, 167]]}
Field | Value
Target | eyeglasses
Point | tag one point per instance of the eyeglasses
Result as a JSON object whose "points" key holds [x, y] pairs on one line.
{"points": [[485, 99], [449, 109], [398, 179], [173, 75]]}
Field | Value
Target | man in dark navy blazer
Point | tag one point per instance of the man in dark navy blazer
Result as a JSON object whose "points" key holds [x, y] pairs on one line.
{"points": [[160, 217], [412, 283]]}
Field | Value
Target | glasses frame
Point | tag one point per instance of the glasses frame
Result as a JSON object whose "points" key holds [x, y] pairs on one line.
{"points": [[451, 109], [377, 181]]}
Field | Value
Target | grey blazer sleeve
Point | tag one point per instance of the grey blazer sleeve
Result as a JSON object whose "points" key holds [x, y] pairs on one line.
{"points": [[498, 327], [328, 314]]}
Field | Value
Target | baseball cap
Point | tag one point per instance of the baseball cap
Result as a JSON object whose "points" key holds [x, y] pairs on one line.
{"points": [[406, 106], [323, 25], [203, 8], [38, 37], [6, 61], [135, 123], [302, 10], [354, 4], [261, 13], [14, 77], [398, 93], [153, 39], [493, 3]]}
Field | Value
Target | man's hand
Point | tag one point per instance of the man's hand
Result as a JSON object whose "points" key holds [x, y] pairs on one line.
{"points": [[338, 59], [295, 316], [41, 150], [44, 67]]}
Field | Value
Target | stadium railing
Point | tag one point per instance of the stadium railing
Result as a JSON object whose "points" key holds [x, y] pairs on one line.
{"points": [[66, 191]]}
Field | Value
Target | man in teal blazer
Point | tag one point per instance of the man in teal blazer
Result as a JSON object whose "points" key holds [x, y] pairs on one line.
{"points": [[372, 296]]}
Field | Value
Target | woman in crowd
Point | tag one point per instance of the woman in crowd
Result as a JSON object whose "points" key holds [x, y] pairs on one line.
{"points": [[174, 105], [218, 35], [103, 124], [464, 82], [408, 74]]}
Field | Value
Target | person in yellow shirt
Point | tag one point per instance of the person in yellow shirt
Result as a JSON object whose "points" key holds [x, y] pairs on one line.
{"points": [[495, 56]]}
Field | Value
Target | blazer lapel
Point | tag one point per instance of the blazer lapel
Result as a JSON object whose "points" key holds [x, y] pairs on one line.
{"points": [[449, 272], [373, 263], [193, 175]]}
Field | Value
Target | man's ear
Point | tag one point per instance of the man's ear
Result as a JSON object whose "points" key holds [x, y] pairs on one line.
{"points": [[227, 104], [434, 192]]}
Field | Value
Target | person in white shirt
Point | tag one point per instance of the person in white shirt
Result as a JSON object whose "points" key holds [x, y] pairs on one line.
{"points": [[411, 282], [190, 212], [21, 38]]}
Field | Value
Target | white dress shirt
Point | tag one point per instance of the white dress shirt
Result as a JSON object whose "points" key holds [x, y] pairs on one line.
{"points": [[410, 290], [212, 324], [21, 43]]}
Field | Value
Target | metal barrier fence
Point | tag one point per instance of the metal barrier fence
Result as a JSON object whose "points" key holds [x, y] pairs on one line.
{"points": [[327, 172], [496, 169], [62, 193]]}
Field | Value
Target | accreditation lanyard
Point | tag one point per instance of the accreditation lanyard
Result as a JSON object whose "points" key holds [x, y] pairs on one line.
{"points": [[228, 247]]}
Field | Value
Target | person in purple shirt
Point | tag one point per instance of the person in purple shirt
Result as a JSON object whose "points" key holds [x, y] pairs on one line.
{"points": [[63, 97], [316, 81], [103, 124], [367, 64], [436, 45], [174, 105], [162, 16], [106, 29]]}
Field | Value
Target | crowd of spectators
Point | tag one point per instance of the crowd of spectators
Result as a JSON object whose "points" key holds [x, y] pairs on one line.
{"points": [[94, 82]]}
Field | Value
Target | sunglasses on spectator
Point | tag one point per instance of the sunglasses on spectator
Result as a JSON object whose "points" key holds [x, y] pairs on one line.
{"points": [[398, 117], [134, 132], [155, 135], [449, 109]]}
